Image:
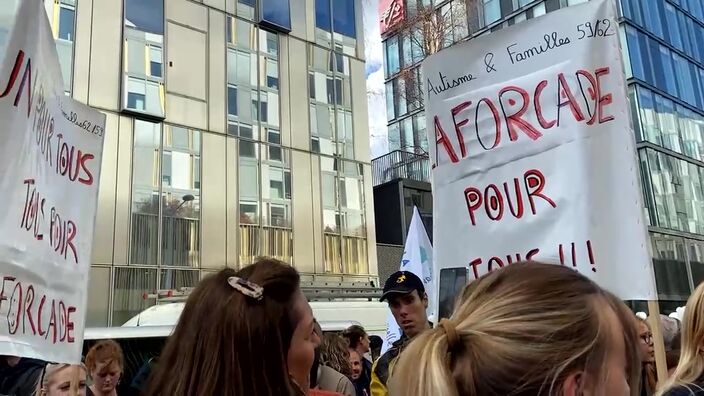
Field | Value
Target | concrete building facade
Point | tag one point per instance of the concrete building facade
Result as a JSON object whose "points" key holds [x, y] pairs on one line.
{"points": [[235, 129]]}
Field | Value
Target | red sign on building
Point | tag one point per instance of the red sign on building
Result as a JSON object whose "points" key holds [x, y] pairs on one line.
{"points": [[391, 12]]}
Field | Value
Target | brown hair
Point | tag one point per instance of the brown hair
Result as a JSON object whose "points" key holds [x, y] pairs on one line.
{"points": [[335, 354], [230, 344], [106, 353], [649, 373], [521, 330], [354, 335]]}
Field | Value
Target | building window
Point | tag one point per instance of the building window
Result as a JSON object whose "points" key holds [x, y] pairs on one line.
{"points": [[343, 18], [67, 20], [323, 15], [338, 15], [664, 123], [276, 14], [390, 108], [336, 25], [252, 80], [344, 225], [670, 267], [452, 19], [391, 52], [539, 10], [135, 100], [143, 49], [128, 297], [62, 14], [165, 196], [492, 11], [156, 59], [265, 201], [409, 134], [673, 25], [245, 9], [677, 192], [394, 137], [330, 96]]}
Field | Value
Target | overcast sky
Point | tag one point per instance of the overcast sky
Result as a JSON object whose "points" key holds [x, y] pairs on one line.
{"points": [[375, 79]]}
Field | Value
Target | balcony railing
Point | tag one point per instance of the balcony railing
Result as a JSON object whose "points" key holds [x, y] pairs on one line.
{"points": [[401, 164], [180, 240]]}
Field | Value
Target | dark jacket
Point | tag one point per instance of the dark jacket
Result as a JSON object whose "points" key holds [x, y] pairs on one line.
{"points": [[383, 366], [696, 389], [361, 384], [21, 379]]}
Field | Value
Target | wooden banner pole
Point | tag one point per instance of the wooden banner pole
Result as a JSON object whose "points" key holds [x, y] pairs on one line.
{"points": [[658, 340]]}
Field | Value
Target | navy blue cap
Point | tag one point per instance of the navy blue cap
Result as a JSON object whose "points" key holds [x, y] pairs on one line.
{"points": [[402, 282]]}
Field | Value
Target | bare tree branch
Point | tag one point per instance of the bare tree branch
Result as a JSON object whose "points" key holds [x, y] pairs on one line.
{"points": [[428, 31]]}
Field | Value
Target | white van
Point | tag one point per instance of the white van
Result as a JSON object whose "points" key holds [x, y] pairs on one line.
{"points": [[143, 337], [332, 315]]}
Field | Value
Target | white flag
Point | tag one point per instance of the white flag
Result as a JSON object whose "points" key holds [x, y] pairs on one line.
{"points": [[418, 259]]}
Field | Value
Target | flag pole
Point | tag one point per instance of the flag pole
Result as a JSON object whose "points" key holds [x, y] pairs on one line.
{"points": [[658, 340]]}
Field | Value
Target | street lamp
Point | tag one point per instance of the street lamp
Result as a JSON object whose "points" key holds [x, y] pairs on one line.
{"points": [[186, 198]]}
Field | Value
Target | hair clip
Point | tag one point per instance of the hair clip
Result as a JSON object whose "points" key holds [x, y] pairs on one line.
{"points": [[246, 287]]}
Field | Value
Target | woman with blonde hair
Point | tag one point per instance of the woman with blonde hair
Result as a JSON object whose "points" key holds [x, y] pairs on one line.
{"points": [[62, 380], [528, 329], [688, 378]]}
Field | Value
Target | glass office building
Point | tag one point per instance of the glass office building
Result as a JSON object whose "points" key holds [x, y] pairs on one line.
{"points": [[235, 129], [663, 50]]}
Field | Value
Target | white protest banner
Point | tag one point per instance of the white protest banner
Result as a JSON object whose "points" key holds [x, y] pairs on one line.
{"points": [[418, 259], [50, 162], [533, 151]]}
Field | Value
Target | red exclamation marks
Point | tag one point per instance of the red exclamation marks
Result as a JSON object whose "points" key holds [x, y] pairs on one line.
{"points": [[574, 255], [562, 255], [591, 255]]}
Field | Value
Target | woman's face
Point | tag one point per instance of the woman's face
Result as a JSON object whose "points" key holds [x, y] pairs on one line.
{"points": [[645, 336], [69, 381], [303, 343], [105, 378]]}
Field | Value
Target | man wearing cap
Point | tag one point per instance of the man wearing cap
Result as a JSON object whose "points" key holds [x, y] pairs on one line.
{"points": [[407, 299]]}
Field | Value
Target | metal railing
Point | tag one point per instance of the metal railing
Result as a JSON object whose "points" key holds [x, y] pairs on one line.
{"points": [[401, 164], [312, 292]]}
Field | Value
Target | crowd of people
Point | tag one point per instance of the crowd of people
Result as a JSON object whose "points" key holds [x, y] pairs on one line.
{"points": [[31, 377], [526, 329]]}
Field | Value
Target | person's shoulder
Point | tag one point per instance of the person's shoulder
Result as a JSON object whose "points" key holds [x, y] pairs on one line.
{"points": [[346, 387], [686, 390], [319, 392], [385, 358], [394, 350], [330, 372], [329, 377]]}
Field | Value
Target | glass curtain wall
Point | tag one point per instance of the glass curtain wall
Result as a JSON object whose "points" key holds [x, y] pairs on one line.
{"points": [[343, 216], [264, 165], [165, 235]]}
